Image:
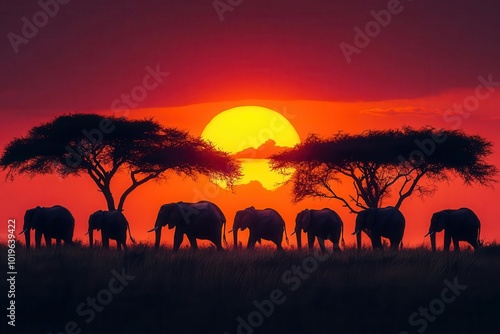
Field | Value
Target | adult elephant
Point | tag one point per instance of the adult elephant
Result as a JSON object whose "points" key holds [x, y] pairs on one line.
{"points": [[323, 224], [202, 220], [458, 225], [386, 222], [55, 222], [264, 224], [113, 225]]}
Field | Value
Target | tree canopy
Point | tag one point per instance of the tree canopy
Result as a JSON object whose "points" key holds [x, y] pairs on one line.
{"points": [[101, 147], [383, 162]]}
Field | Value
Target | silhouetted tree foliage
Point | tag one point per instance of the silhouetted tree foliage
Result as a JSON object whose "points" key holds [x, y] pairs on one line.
{"points": [[381, 162], [101, 147]]}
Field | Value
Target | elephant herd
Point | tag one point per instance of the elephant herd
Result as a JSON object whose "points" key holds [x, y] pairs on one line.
{"points": [[206, 221]]}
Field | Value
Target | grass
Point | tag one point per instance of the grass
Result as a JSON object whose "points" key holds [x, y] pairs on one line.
{"points": [[206, 291]]}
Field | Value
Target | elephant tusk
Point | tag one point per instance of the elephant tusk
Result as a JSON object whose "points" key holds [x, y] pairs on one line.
{"points": [[356, 232], [154, 229], [87, 233], [229, 231], [430, 233], [292, 233], [427, 234], [23, 231]]}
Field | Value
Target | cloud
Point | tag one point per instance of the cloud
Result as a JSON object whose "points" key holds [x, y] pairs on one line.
{"points": [[407, 110], [263, 152]]}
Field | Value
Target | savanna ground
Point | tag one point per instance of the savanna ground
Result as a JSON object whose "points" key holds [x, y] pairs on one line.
{"points": [[206, 291]]}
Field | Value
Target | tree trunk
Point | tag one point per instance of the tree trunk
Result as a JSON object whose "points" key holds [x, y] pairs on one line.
{"points": [[110, 201]]}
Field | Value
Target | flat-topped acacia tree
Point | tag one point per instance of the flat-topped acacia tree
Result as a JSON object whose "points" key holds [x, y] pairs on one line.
{"points": [[101, 147], [384, 163]]}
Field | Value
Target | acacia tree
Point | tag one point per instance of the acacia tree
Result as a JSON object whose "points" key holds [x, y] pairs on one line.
{"points": [[101, 147], [384, 164]]}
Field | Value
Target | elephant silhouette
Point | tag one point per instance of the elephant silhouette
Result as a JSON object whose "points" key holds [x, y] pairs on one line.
{"points": [[113, 225], [323, 224], [386, 222], [202, 220], [264, 224], [54, 222], [458, 225]]}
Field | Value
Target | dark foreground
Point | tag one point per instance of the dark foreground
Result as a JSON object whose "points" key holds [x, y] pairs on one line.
{"points": [[78, 290]]}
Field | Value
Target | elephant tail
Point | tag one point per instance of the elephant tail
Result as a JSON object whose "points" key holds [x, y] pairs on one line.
{"points": [[286, 236], [479, 242], [130, 234], [224, 234], [342, 231]]}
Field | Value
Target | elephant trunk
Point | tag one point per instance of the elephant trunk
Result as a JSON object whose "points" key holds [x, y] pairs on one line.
{"points": [[27, 236], [433, 241], [235, 237], [358, 239], [91, 238], [157, 237], [299, 239]]}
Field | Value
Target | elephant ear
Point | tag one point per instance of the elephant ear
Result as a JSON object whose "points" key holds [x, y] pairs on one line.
{"points": [[371, 215], [96, 219], [306, 219], [28, 219], [181, 211], [246, 216], [440, 220], [34, 219]]}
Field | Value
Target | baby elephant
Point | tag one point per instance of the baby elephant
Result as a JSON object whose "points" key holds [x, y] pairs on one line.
{"points": [[113, 225]]}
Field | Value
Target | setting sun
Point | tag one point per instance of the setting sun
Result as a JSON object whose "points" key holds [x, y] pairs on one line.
{"points": [[252, 134]]}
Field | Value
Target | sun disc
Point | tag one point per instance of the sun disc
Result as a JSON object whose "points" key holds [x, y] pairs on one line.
{"points": [[253, 131]]}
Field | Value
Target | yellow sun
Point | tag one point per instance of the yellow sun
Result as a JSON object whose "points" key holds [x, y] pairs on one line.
{"points": [[251, 134]]}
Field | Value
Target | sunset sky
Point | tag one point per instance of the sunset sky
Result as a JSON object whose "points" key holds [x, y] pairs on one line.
{"points": [[283, 55]]}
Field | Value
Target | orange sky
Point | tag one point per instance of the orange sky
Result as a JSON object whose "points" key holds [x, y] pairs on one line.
{"points": [[80, 195]]}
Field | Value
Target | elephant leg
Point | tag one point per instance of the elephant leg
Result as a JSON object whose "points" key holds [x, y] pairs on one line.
{"points": [[251, 242], [475, 244], [38, 238], [447, 242], [310, 240], [118, 245], [193, 242], [336, 247], [376, 242], [105, 243], [321, 243], [456, 245], [178, 236], [218, 244], [58, 242], [278, 246], [395, 244], [48, 241]]}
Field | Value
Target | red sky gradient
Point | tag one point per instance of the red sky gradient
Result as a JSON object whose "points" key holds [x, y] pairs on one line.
{"points": [[282, 55]]}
